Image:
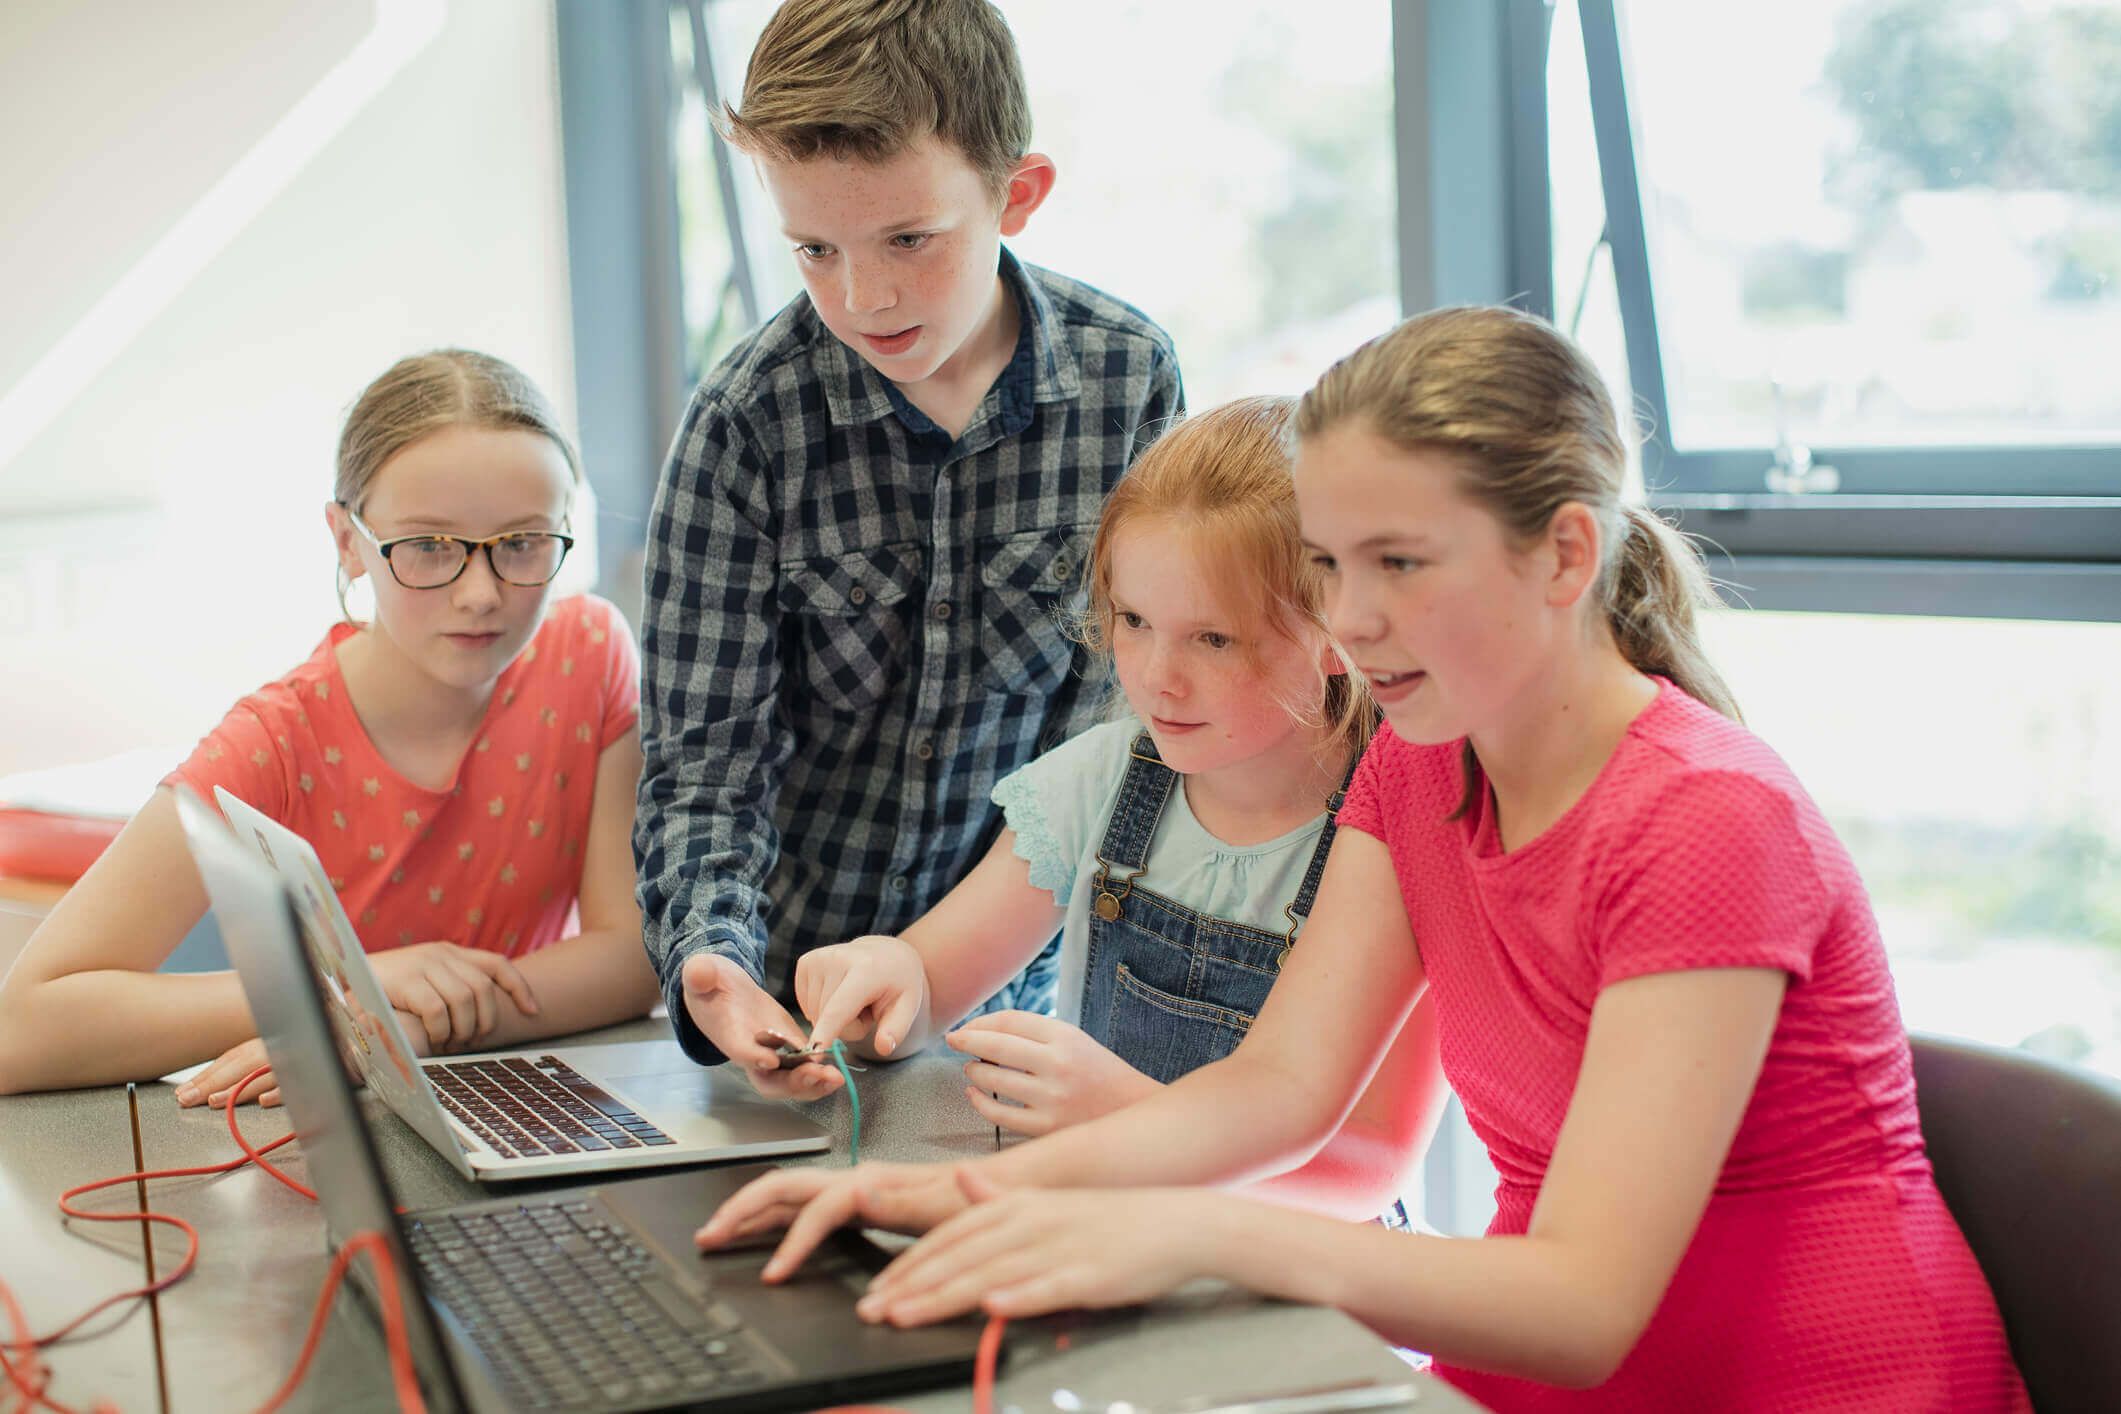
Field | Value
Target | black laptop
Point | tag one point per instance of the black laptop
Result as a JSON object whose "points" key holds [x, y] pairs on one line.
{"points": [[585, 1298]]}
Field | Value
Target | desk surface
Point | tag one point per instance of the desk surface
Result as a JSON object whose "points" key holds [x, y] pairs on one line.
{"points": [[232, 1330], [58, 1268]]}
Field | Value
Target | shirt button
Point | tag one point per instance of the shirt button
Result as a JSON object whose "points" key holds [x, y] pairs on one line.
{"points": [[857, 595], [942, 609], [1062, 569], [926, 749], [898, 884]]}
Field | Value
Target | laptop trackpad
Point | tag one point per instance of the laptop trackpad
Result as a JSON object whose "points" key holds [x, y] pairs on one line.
{"points": [[657, 1073]]}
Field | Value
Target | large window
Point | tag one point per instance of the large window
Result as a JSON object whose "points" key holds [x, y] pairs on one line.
{"points": [[1869, 274], [1897, 223]]}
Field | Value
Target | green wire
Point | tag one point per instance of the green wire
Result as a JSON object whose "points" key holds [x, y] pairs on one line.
{"points": [[854, 1145]]}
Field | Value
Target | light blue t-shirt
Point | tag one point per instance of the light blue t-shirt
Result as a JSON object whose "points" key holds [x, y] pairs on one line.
{"points": [[1059, 805]]}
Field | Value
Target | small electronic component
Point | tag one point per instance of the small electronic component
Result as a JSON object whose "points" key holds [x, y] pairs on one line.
{"points": [[790, 1053]]}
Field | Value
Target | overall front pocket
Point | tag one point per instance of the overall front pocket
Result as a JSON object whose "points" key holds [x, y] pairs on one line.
{"points": [[1164, 1035]]}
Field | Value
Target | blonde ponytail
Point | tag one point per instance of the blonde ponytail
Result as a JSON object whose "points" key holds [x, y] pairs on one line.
{"points": [[1656, 588]]}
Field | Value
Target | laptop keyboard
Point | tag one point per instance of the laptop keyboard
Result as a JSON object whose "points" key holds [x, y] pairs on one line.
{"points": [[518, 1108], [569, 1309]]}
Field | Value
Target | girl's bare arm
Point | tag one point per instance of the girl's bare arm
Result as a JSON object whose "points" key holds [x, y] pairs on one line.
{"points": [[84, 1004]]}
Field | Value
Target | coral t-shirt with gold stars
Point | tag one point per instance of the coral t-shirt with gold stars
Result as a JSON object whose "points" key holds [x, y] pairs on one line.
{"points": [[494, 859]]}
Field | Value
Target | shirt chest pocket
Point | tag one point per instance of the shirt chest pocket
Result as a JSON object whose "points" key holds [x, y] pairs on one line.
{"points": [[848, 618], [1032, 585]]}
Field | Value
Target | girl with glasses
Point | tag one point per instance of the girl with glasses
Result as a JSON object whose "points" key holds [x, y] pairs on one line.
{"points": [[463, 761]]}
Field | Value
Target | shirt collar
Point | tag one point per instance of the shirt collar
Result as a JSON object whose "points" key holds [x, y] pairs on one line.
{"points": [[1042, 370]]}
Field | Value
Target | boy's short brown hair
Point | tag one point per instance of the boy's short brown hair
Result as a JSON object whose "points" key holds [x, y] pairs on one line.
{"points": [[867, 79]]}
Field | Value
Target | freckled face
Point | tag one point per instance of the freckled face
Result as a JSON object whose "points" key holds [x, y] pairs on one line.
{"points": [[472, 482], [1208, 703], [1422, 586], [901, 257]]}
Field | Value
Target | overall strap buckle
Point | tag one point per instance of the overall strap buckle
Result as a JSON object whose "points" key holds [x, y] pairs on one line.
{"points": [[1107, 904]]}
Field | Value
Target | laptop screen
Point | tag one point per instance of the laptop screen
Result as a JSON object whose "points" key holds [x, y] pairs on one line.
{"points": [[362, 1018], [263, 923]]}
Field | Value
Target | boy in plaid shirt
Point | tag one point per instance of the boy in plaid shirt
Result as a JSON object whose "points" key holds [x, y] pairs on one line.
{"points": [[872, 523]]}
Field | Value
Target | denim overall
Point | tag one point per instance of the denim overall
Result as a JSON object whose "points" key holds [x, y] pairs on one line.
{"points": [[1166, 988]]}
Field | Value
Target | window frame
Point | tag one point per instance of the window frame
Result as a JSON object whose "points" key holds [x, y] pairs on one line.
{"points": [[1915, 530]]}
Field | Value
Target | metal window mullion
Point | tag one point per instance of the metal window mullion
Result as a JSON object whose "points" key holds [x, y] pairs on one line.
{"points": [[1470, 148], [1620, 177], [740, 276]]}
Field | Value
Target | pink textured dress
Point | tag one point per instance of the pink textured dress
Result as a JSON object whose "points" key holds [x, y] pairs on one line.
{"points": [[494, 859], [1827, 1272]]}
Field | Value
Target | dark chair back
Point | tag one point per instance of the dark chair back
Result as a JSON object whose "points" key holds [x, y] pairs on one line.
{"points": [[2028, 1157]]}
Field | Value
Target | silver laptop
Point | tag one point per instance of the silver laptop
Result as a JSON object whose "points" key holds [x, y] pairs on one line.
{"points": [[575, 1300], [500, 1115]]}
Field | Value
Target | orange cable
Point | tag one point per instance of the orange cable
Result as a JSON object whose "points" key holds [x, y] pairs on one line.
{"points": [[29, 1379]]}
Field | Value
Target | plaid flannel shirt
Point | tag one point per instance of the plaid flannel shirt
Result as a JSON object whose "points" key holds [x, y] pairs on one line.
{"points": [[853, 626]]}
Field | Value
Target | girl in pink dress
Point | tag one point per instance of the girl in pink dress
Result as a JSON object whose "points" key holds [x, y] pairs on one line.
{"points": [[463, 762], [1658, 983]]}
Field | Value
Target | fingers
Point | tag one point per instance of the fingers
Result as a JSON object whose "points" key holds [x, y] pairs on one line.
{"points": [[1017, 1119], [425, 1003], [217, 1076], [898, 1020], [225, 1070], [785, 1190], [1029, 1025], [831, 1209], [817, 972], [1065, 1289], [906, 1205], [1017, 1085], [505, 975], [221, 1099], [931, 1260], [808, 1081], [1001, 1047], [730, 1009], [478, 983], [775, 1084], [462, 1000], [839, 1010], [415, 1028], [962, 1290]]}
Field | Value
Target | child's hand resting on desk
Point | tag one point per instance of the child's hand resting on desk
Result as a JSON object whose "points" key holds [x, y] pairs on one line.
{"points": [[1056, 1074], [812, 1202], [872, 988], [1032, 1251], [732, 1011], [211, 1086], [454, 992]]}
